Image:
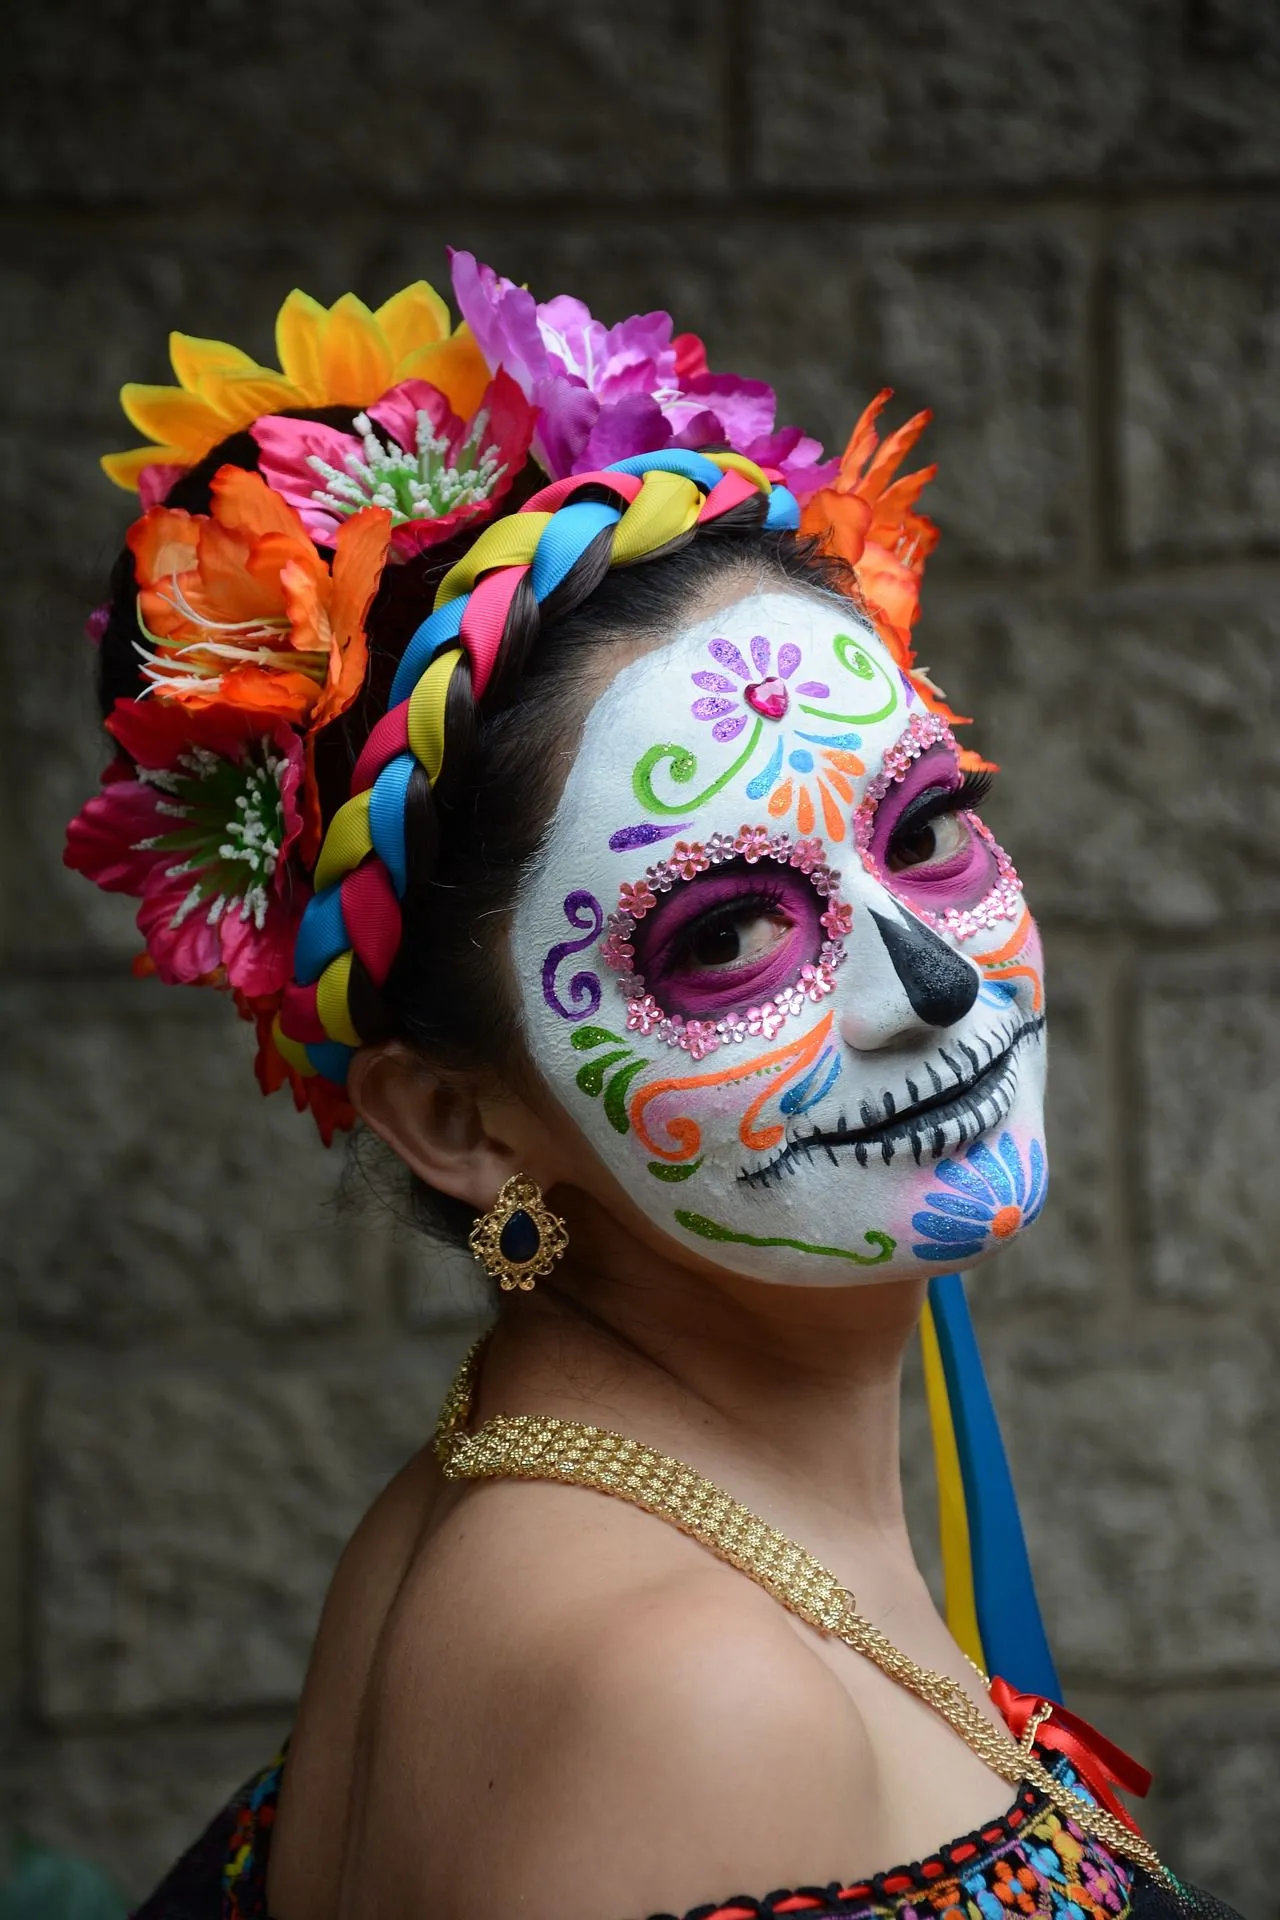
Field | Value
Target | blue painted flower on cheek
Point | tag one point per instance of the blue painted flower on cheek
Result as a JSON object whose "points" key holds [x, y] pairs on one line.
{"points": [[989, 1197]]}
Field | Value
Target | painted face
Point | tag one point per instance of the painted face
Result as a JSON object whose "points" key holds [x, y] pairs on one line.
{"points": [[777, 969]]}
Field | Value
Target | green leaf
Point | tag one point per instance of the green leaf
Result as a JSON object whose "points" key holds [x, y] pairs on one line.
{"points": [[661, 1171], [615, 1099], [590, 1076], [584, 1038]]}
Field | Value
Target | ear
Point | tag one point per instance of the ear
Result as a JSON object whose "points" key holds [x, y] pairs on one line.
{"points": [[458, 1132]]}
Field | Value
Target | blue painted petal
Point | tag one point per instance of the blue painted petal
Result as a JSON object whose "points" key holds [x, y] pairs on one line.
{"points": [[998, 993], [758, 787], [800, 1098], [957, 1209], [832, 739], [1039, 1181], [983, 1161], [1007, 1148], [941, 1228], [953, 1174], [939, 1254]]}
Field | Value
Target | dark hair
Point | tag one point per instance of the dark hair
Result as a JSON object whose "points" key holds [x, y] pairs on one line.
{"points": [[472, 835]]}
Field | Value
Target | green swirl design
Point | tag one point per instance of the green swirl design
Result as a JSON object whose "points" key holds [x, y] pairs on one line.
{"points": [[855, 660], [663, 1172], [684, 767], [710, 1230]]}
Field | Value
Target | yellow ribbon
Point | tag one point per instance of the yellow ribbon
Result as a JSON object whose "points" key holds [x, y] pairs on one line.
{"points": [[426, 712], [346, 843], [953, 1515]]}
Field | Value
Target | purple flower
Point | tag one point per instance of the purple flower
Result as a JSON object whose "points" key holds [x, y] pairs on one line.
{"points": [[605, 393]]}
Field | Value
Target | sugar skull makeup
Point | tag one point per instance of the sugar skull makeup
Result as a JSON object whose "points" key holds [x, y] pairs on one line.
{"points": [[777, 969]]}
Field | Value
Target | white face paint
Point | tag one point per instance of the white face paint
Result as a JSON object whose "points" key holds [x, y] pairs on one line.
{"points": [[778, 973]]}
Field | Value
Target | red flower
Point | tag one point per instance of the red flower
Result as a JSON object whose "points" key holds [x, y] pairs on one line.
{"points": [[199, 828], [330, 1108]]}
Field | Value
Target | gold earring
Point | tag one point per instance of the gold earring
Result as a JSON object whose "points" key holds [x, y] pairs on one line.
{"points": [[519, 1238]]}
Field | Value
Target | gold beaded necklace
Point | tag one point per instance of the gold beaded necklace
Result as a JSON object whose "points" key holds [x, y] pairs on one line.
{"points": [[536, 1447]]}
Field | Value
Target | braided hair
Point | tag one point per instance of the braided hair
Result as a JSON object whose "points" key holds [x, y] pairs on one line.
{"points": [[418, 937]]}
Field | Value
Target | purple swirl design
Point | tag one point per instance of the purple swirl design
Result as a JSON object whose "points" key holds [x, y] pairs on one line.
{"points": [[582, 910]]}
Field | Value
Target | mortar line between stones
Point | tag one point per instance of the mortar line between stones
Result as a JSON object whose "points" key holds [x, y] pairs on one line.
{"points": [[737, 28], [935, 205]]}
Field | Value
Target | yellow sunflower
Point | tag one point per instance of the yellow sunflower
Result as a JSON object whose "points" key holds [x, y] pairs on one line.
{"points": [[343, 355]]}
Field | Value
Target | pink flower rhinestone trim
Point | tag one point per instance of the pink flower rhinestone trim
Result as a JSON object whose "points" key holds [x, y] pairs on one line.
{"points": [[1004, 902], [815, 980]]}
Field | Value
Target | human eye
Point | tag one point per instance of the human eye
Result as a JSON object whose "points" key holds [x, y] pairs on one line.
{"points": [[932, 835], [729, 939]]}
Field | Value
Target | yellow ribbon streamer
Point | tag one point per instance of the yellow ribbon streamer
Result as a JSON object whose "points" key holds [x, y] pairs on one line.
{"points": [[953, 1516]]}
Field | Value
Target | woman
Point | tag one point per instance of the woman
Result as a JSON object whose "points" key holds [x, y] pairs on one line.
{"points": [[525, 731]]}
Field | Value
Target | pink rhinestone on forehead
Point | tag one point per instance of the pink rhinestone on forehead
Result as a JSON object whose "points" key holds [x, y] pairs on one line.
{"points": [[1004, 902], [815, 980]]}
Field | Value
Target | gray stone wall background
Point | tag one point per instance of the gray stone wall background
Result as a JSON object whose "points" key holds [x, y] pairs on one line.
{"points": [[1056, 224]]}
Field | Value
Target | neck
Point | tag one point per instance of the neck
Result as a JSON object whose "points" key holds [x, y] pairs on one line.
{"points": [[787, 1395]]}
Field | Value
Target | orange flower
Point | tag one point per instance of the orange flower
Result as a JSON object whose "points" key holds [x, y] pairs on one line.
{"points": [[870, 520], [240, 609], [343, 355]]}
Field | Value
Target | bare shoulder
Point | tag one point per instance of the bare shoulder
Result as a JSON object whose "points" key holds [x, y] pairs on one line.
{"points": [[579, 1712]]}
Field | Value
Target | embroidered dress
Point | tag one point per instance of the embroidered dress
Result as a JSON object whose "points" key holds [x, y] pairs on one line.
{"points": [[1030, 1862]]}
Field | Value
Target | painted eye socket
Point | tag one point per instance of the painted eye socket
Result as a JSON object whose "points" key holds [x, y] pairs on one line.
{"points": [[727, 939], [927, 841]]}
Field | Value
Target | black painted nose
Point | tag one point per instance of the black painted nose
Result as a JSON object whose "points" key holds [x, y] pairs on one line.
{"points": [[940, 983]]}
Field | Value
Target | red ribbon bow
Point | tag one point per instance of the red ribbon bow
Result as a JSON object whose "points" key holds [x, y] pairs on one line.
{"points": [[1102, 1766]]}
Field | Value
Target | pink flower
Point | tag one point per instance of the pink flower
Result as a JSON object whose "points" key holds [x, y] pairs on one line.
{"points": [[605, 393], [643, 1015], [764, 1020], [838, 918], [700, 1038], [434, 472], [689, 859], [752, 843], [617, 952], [814, 983], [807, 854], [720, 847], [200, 830], [636, 899]]}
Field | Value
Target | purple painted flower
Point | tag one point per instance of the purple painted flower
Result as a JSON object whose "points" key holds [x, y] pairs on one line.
{"points": [[759, 684], [605, 393]]}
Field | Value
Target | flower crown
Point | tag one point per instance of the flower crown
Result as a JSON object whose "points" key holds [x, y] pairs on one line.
{"points": [[251, 616]]}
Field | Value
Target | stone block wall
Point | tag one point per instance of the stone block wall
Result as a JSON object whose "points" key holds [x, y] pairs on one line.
{"points": [[1057, 225]]}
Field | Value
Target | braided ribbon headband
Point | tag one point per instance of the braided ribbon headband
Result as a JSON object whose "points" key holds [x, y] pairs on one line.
{"points": [[362, 873]]}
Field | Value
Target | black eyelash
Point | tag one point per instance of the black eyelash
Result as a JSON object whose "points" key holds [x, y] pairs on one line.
{"points": [[966, 798], [762, 895]]}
